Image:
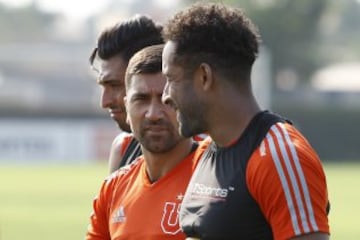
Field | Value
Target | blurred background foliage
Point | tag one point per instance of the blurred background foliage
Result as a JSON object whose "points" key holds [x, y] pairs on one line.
{"points": [[302, 35], [44, 67], [24, 24], [306, 35]]}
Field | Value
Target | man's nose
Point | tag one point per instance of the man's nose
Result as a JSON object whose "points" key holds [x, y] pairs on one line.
{"points": [[155, 111], [106, 99]]}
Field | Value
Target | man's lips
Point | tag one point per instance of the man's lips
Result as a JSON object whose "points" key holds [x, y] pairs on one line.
{"points": [[156, 128], [115, 112]]}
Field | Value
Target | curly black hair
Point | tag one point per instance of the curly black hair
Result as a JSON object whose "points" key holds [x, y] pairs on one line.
{"points": [[219, 35], [126, 38]]}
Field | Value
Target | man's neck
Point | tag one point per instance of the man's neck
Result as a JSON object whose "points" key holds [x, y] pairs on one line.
{"points": [[159, 164], [230, 119]]}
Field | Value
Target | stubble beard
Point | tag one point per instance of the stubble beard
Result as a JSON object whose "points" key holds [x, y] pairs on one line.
{"points": [[159, 143], [124, 126], [189, 127]]}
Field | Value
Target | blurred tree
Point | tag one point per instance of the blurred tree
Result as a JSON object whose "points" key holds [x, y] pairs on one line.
{"points": [[340, 32], [25, 24], [289, 29], [305, 35]]}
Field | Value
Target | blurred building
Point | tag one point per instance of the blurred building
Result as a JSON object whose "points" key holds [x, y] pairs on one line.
{"points": [[50, 81], [49, 99]]}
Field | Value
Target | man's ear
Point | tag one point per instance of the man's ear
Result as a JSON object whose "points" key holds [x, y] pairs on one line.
{"points": [[205, 76]]}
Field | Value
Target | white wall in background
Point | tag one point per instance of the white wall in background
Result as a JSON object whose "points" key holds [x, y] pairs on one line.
{"points": [[30, 141]]}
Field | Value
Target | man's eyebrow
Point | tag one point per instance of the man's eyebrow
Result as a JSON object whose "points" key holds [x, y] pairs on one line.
{"points": [[109, 79], [105, 80], [139, 94]]}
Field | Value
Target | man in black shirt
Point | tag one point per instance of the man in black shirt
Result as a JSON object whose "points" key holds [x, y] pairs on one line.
{"points": [[259, 177]]}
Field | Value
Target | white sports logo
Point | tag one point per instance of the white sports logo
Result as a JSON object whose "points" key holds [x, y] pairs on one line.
{"points": [[216, 192], [119, 215]]}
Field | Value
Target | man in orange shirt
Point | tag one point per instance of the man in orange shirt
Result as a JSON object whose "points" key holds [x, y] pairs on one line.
{"points": [[115, 46], [259, 178], [142, 200]]}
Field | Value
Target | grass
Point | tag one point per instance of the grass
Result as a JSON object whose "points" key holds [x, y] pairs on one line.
{"points": [[47, 202], [344, 193], [54, 202]]}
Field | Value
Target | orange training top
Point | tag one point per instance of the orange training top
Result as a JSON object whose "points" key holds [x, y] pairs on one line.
{"points": [[130, 207]]}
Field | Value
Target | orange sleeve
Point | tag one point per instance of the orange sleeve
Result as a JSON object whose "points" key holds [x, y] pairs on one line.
{"points": [[286, 178], [121, 143], [98, 228]]}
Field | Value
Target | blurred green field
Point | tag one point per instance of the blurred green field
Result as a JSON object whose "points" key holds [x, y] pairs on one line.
{"points": [[54, 202], [44, 203]]}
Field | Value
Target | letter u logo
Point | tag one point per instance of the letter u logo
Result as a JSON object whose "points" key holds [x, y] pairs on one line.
{"points": [[170, 219]]}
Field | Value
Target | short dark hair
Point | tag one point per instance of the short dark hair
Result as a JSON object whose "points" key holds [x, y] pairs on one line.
{"points": [[126, 38], [147, 60], [219, 35]]}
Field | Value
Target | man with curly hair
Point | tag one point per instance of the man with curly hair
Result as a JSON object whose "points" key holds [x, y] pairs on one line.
{"points": [[259, 178]]}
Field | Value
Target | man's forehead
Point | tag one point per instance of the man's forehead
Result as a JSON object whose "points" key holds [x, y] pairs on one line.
{"points": [[112, 69], [148, 82], [168, 58], [115, 62], [169, 51], [109, 76]]}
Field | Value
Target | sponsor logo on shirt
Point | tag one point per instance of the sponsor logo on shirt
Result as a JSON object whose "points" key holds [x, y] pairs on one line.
{"points": [[211, 192]]}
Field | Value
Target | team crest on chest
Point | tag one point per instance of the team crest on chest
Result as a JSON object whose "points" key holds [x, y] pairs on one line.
{"points": [[170, 218]]}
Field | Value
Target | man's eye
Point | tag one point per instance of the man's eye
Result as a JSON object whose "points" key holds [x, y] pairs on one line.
{"points": [[117, 85], [139, 98]]}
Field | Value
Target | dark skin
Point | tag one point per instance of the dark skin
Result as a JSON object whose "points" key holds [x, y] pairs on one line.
{"points": [[232, 106], [225, 124]]}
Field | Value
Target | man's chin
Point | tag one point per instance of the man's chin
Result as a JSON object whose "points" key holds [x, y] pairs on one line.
{"points": [[189, 130], [124, 127]]}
